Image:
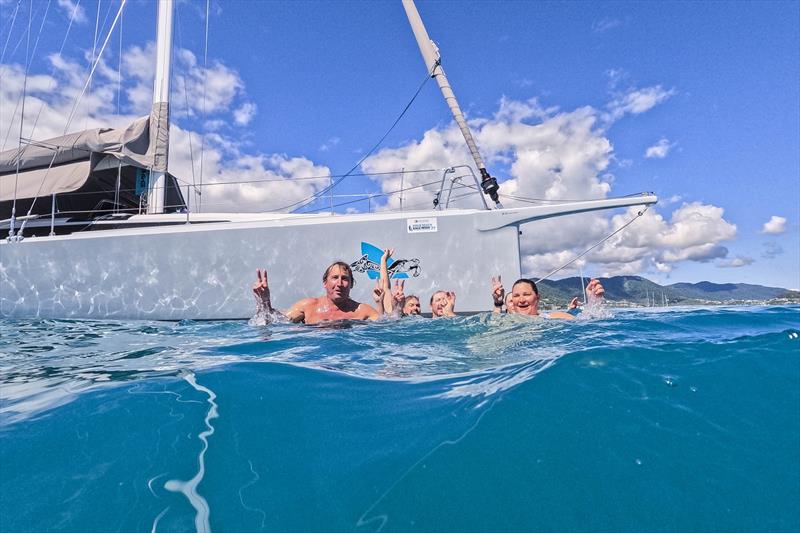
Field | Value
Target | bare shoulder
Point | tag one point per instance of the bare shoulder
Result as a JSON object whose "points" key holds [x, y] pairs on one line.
{"points": [[298, 312], [366, 311], [561, 315]]}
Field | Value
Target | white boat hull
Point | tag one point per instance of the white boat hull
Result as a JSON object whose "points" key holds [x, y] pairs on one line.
{"points": [[205, 270]]}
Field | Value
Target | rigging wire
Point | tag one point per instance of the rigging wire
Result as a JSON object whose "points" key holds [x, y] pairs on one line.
{"points": [[188, 110], [199, 193], [374, 195], [598, 243], [94, 67], [21, 121], [27, 69], [52, 72], [333, 184], [10, 31], [23, 37], [119, 67]]}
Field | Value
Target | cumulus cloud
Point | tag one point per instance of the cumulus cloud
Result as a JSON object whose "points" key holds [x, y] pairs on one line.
{"points": [[195, 89], [73, 10], [244, 114], [262, 183], [234, 179], [659, 150], [552, 155], [774, 226], [543, 154]]}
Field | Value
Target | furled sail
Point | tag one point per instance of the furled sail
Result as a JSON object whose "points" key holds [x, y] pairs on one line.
{"points": [[69, 163]]}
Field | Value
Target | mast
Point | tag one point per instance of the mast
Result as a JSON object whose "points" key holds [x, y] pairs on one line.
{"points": [[433, 61], [159, 114]]}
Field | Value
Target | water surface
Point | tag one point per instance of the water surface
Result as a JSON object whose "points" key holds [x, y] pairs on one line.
{"points": [[677, 419]]}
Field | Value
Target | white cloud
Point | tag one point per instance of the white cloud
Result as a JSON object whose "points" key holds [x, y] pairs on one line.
{"points": [[195, 89], [736, 262], [545, 153], [774, 226], [551, 155], [616, 76], [659, 150], [272, 180], [245, 113], [73, 10], [261, 183], [637, 101]]}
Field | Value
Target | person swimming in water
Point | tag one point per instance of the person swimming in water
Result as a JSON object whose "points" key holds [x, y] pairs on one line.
{"points": [[407, 305], [335, 304], [443, 304], [525, 298], [509, 303]]}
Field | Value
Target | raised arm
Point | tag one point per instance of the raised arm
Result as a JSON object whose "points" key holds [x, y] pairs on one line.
{"points": [[386, 304], [449, 308], [594, 296], [377, 294], [398, 293], [261, 292], [594, 292], [498, 294], [264, 303]]}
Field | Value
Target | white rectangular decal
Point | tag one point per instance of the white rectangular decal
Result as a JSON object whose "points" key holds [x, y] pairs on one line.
{"points": [[421, 225]]}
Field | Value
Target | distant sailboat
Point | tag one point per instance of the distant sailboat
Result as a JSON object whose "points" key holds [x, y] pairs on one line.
{"points": [[108, 234]]}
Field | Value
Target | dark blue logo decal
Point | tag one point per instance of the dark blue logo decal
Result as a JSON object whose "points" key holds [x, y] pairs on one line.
{"points": [[370, 263]]}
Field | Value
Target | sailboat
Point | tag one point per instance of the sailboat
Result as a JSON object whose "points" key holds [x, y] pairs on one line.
{"points": [[107, 233]]}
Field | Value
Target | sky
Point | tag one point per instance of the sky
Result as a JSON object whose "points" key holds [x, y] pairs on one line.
{"points": [[698, 102]]}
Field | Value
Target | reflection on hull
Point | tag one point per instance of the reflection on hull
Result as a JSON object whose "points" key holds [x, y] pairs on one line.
{"points": [[204, 271]]}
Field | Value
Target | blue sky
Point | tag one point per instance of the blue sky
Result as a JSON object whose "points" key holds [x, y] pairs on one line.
{"points": [[698, 102]]}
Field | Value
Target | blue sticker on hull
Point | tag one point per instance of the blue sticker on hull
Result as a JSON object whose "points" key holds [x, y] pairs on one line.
{"points": [[370, 262]]}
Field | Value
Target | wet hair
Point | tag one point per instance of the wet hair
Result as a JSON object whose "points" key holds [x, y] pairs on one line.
{"points": [[434, 294], [344, 266], [405, 301], [529, 282]]}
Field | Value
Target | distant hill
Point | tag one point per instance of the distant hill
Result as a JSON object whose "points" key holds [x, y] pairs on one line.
{"points": [[636, 290]]}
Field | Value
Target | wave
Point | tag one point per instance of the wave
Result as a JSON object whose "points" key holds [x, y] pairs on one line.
{"points": [[46, 363]]}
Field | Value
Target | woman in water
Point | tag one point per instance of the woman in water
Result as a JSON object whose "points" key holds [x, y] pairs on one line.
{"points": [[525, 298]]}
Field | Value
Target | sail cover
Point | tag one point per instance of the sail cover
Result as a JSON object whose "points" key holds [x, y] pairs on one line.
{"points": [[142, 144], [39, 182]]}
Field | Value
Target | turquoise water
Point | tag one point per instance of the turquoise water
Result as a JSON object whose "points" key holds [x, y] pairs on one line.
{"points": [[672, 420]]}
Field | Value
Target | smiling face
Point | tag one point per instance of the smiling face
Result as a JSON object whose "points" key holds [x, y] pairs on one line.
{"points": [[337, 282], [524, 299], [411, 306], [438, 303]]}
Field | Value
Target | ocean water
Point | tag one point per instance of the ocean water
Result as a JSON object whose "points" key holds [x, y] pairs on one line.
{"points": [[649, 420]]}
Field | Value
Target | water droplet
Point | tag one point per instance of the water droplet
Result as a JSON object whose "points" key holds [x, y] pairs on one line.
{"points": [[693, 389], [670, 382], [638, 461], [793, 335]]}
